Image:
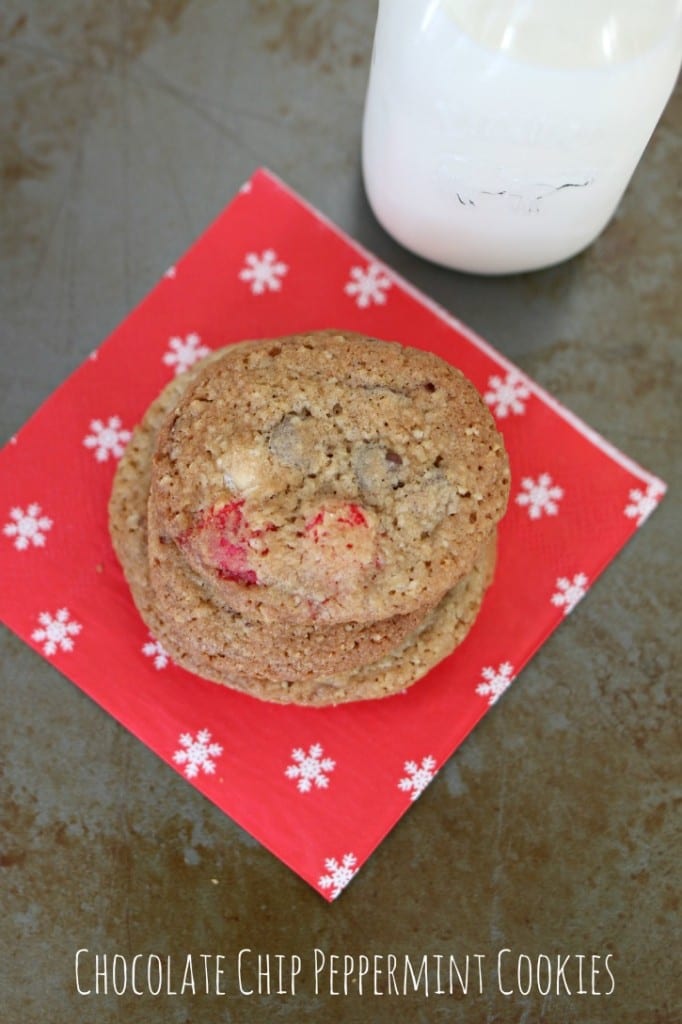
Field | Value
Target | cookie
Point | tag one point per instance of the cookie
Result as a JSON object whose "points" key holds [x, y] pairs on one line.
{"points": [[330, 478], [171, 601], [288, 634]]}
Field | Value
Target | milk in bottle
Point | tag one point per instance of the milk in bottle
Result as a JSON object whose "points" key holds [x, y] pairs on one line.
{"points": [[499, 136]]}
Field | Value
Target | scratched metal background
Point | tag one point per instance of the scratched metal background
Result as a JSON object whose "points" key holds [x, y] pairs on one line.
{"points": [[126, 127]]}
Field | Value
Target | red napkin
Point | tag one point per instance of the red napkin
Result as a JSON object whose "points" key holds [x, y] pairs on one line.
{"points": [[319, 787]]}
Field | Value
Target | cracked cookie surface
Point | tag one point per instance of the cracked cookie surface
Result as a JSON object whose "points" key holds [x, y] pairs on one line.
{"points": [[329, 477]]}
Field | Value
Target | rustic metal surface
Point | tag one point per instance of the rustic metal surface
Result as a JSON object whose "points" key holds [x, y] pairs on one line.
{"points": [[126, 128]]}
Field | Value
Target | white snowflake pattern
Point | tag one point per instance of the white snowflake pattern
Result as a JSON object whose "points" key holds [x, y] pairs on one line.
{"points": [[495, 682], [417, 776], [197, 753], [245, 188], [171, 272], [569, 592], [310, 768], [642, 503], [183, 354], [540, 497], [107, 438], [368, 285], [339, 874], [27, 527], [507, 394], [56, 631], [264, 272], [155, 649]]}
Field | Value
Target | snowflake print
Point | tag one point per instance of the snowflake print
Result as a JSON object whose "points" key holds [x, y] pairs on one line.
{"points": [[540, 496], [171, 272], [56, 631], [245, 188], [569, 592], [107, 438], [183, 354], [642, 503], [310, 768], [496, 682], [27, 527], [417, 776], [507, 394], [339, 874], [196, 754], [155, 649], [368, 285], [263, 272]]}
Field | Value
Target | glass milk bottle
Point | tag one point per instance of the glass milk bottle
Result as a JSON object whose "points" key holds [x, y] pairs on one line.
{"points": [[499, 136]]}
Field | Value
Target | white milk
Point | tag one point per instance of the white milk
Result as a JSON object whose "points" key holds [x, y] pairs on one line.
{"points": [[500, 136]]}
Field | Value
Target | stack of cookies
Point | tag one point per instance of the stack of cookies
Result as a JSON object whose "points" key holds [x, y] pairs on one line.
{"points": [[311, 519]]}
